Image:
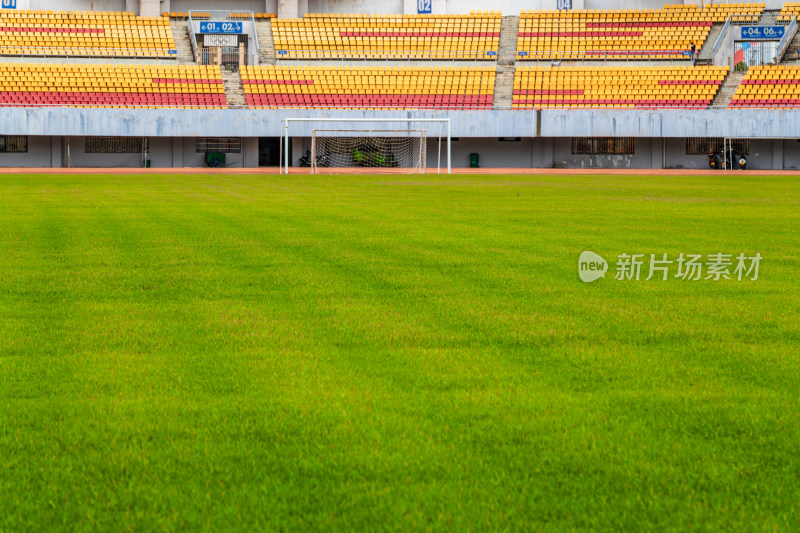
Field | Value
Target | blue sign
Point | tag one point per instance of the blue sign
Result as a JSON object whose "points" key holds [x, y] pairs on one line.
{"points": [[220, 27], [424, 7], [763, 32], [9, 4], [564, 4]]}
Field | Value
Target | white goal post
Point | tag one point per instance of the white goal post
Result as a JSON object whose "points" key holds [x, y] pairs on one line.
{"points": [[377, 131]]}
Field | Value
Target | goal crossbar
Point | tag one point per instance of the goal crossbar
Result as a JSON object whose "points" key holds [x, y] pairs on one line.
{"points": [[286, 123]]}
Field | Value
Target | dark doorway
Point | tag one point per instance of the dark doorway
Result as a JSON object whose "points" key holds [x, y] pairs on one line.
{"points": [[269, 151]]}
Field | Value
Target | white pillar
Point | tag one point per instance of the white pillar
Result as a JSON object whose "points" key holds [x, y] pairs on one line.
{"points": [[148, 8], [288, 9]]}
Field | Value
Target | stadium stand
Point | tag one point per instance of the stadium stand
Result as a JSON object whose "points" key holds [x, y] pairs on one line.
{"points": [[621, 34], [369, 88], [769, 86], [610, 87], [788, 10], [741, 12], [84, 33], [35, 85], [325, 36]]}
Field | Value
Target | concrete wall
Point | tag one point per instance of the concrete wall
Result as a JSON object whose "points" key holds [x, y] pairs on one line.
{"points": [[79, 158], [762, 155], [256, 6], [41, 151], [493, 153], [641, 158], [744, 123], [791, 154]]}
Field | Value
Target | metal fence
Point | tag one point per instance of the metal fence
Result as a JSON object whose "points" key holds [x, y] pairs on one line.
{"points": [[222, 16], [387, 55], [229, 57], [69, 52], [556, 56]]}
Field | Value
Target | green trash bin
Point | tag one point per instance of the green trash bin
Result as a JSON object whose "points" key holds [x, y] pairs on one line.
{"points": [[146, 163], [473, 160]]}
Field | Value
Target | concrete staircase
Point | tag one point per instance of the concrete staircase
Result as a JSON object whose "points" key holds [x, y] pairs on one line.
{"points": [[728, 89], [266, 44], [706, 54], [183, 43], [790, 57], [234, 90], [506, 63]]}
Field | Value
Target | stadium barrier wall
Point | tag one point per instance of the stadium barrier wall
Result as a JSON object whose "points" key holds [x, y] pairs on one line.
{"points": [[739, 123]]}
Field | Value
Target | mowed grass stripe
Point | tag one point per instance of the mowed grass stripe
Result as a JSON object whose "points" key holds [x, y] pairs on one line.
{"points": [[310, 352]]}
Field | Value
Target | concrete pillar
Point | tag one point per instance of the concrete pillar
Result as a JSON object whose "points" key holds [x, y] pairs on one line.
{"points": [[547, 152], [55, 152], [177, 152], [288, 9], [777, 154], [149, 8], [242, 55], [250, 155]]}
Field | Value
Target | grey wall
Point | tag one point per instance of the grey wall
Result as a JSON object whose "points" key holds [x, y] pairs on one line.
{"points": [[744, 123], [641, 158], [79, 158], [791, 154], [41, 151], [525, 153]]}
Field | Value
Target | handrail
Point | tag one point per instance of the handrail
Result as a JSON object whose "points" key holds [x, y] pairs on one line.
{"points": [[195, 49], [238, 15], [787, 38], [721, 38], [399, 55], [603, 55], [255, 34], [83, 51]]}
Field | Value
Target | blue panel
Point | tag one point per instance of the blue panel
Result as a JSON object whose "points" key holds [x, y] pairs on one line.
{"points": [[424, 7], [9, 4], [763, 32], [220, 27], [564, 4]]}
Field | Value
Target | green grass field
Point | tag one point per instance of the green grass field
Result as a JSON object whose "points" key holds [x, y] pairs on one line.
{"points": [[253, 353]]}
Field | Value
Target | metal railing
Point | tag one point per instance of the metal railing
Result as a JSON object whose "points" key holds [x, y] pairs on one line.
{"points": [[604, 55], [76, 51], [225, 16], [193, 39], [384, 55], [721, 38], [766, 19], [788, 36]]}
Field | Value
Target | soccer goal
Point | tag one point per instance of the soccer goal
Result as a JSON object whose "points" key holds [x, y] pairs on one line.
{"points": [[370, 147], [403, 151]]}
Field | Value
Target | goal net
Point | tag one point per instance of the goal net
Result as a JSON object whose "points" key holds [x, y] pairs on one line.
{"points": [[402, 151]]}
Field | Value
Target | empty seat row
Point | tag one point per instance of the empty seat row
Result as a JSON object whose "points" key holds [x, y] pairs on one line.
{"points": [[84, 33], [621, 34], [612, 87], [92, 85], [473, 37], [369, 88], [769, 86]]}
